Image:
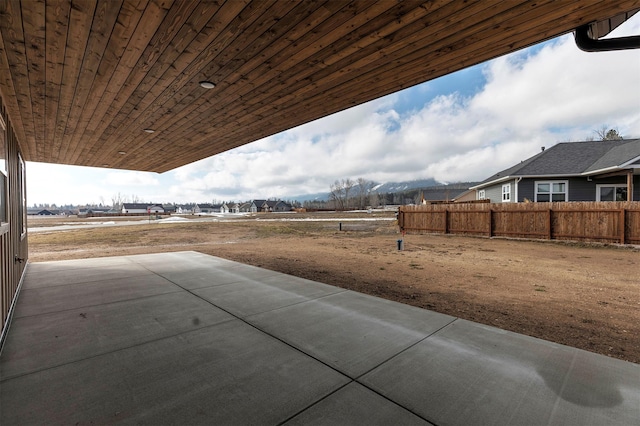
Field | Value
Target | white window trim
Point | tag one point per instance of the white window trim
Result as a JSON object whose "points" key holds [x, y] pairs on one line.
{"points": [[551, 182], [609, 185], [508, 187], [482, 195]]}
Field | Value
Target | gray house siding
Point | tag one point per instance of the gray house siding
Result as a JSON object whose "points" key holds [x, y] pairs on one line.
{"points": [[580, 189], [494, 193]]}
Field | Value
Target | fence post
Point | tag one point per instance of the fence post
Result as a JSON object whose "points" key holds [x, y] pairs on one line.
{"points": [[623, 225], [549, 224], [490, 223], [446, 221]]}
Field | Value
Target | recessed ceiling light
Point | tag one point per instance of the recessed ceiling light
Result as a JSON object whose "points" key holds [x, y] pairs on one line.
{"points": [[121, 152], [207, 84], [149, 130]]}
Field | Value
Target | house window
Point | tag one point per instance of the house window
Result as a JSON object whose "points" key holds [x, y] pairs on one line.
{"points": [[482, 195], [552, 191], [3, 175], [608, 192], [506, 193]]}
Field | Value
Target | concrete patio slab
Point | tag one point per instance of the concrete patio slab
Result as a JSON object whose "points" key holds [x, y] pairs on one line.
{"points": [[268, 348], [349, 331], [248, 297], [58, 338], [356, 405], [468, 373], [59, 298], [228, 373]]}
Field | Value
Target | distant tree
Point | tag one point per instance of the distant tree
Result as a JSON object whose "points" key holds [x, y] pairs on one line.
{"points": [[116, 201], [605, 134], [347, 185], [363, 187], [336, 194]]}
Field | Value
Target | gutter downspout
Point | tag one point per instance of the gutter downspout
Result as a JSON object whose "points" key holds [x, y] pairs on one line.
{"points": [[516, 185], [585, 41]]}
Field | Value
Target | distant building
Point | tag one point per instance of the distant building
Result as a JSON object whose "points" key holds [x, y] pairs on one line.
{"points": [[128, 208], [282, 206]]}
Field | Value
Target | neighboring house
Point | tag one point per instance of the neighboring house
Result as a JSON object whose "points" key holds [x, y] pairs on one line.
{"points": [[219, 208], [155, 208], [234, 208], [570, 171], [442, 193], [185, 209], [92, 210], [246, 207], [256, 205], [282, 206], [142, 208], [43, 212], [468, 195], [169, 208], [269, 205], [205, 208]]}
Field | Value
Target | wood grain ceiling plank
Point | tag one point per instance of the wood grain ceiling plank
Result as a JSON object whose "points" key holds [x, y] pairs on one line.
{"points": [[372, 21], [104, 20], [33, 24], [379, 62], [9, 99], [57, 19], [258, 47], [365, 60], [350, 13], [266, 84], [372, 26], [478, 47], [170, 64], [125, 77], [78, 30], [308, 105], [113, 64], [225, 39], [115, 115], [139, 50], [173, 22], [15, 50], [470, 48]]}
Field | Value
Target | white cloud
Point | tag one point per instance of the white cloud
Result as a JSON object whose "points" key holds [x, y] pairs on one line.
{"points": [[129, 178]]}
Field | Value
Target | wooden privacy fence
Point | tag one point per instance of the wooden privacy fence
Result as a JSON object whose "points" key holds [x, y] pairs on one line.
{"points": [[581, 221]]}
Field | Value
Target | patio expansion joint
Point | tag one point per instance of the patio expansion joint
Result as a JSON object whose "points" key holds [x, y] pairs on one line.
{"points": [[405, 349], [83, 282], [351, 380], [97, 355], [96, 304]]}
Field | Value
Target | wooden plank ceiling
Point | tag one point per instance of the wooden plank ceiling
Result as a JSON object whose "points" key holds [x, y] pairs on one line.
{"points": [[83, 79]]}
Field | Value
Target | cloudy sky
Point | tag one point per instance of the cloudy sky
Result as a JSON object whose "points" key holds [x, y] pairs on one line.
{"points": [[462, 127]]}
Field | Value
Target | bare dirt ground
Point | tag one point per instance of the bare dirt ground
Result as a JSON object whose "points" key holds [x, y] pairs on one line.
{"points": [[585, 296]]}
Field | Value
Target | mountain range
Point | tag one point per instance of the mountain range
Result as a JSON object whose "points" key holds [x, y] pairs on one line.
{"points": [[391, 188]]}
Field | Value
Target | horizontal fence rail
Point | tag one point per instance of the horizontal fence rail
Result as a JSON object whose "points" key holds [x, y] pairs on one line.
{"points": [[617, 222]]}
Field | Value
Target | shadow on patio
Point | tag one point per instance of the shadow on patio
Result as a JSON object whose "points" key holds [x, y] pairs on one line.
{"points": [[186, 338]]}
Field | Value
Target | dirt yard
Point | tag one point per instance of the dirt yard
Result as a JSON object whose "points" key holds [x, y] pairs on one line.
{"points": [[586, 296]]}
